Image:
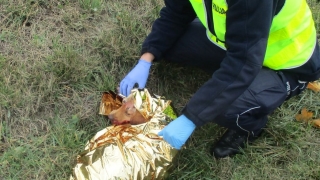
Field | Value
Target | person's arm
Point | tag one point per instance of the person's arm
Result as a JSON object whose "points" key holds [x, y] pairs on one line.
{"points": [[248, 24], [173, 20], [147, 57]]}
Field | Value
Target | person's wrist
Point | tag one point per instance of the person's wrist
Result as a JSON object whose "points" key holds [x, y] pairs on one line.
{"points": [[145, 64], [148, 57], [144, 61], [187, 121]]}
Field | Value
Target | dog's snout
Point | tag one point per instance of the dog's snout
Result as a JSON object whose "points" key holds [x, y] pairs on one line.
{"points": [[110, 116]]}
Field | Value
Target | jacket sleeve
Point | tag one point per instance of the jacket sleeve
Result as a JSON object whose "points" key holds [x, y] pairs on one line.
{"points": [[171, 24], [248, 23]]}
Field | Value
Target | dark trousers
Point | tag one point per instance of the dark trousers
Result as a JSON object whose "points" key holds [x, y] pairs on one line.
{"points": [[248, 113]]}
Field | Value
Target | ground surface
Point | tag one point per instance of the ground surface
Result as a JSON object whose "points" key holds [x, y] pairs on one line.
{"points": [[56, 57]]}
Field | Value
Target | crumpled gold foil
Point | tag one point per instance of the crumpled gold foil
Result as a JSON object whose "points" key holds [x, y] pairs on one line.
{"points": [[109, 102], [132, 152]]}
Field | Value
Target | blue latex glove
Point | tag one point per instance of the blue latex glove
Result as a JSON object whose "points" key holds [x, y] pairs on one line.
{"points": [[139, 74], [178, 131]]}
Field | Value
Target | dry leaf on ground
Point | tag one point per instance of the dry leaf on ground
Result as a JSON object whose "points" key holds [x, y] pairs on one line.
{"points": [[316, 123], [314, 86], [304, 116]]}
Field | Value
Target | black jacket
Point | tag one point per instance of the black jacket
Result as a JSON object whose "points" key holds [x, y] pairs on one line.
{"points": [[248, 23]]}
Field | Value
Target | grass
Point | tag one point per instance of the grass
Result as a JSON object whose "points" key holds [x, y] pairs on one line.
{"points": [[56, 57]]}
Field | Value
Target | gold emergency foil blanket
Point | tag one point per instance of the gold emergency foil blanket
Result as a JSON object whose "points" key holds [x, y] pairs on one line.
{"points": [[132, 152], [109, 102]]}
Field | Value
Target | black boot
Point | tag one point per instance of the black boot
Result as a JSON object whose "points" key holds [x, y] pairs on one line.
{"points": [[230, 144]]}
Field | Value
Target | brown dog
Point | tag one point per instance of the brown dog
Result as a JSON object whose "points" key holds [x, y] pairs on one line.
{"points": [[127, 113]]}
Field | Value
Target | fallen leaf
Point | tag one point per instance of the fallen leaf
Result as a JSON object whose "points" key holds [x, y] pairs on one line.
{"points": [[314, 86], [304, 116], [316, 123]]}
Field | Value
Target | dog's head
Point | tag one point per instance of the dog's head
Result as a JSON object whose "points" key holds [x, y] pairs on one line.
{"points": [[127, 113]]}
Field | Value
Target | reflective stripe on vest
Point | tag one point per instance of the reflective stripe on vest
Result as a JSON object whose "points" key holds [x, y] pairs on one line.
{"points": [[292, 36]]}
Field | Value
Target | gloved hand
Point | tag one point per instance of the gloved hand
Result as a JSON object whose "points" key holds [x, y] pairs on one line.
{"points": [[139, 74], [178, 131]]}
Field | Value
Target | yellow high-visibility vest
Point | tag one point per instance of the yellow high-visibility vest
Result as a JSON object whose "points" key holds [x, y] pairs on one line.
{"points": [[292, 36]]}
